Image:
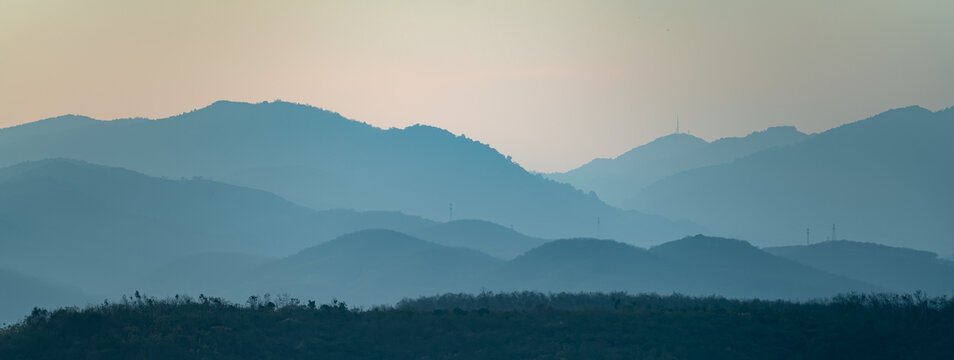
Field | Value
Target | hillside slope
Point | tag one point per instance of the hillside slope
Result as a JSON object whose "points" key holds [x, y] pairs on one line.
{"points": [[897, 269], [492, 239], [371, 267], [735, 268], [322, 160], [619, 179], [100, 228], [885, 179]]}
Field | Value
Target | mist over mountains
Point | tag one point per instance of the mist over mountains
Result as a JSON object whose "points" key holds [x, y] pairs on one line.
{"points": [[100, 227], [238, 199], [902, 269], [619, 179], [885, 179], [319, 159], [372, 267], [21, 293], [493, 239]]}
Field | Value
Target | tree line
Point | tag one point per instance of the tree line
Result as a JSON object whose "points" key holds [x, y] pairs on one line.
{"points": [[492, 325]]}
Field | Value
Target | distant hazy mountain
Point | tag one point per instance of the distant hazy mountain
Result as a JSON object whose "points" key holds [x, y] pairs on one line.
{"points": [[735, 268], [695, 265], [21, 293], [99, 227], [619, 179], [382, 266], [897, 269], [319, 159], [372, 267], [886, 179], [586, 265], [487, 237]]}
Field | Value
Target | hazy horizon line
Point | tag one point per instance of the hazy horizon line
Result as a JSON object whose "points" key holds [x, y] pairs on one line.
{"points": [[515, 160]]}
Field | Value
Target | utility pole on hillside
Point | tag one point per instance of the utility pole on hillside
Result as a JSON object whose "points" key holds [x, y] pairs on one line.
{"points": [[808, 236], [450, 213]]}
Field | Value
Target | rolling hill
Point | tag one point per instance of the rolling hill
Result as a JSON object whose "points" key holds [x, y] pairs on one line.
{"points": [[885, 179], [735, 268], [100, 228], [695, 265], [583, 265], [322, 160], [492, 239], [371, 267], [619, 179], [897, 269]]}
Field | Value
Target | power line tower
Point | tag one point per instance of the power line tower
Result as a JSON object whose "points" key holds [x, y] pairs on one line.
{"points": [[808, 236], [450, 212], [834, 235], [677, 124]]}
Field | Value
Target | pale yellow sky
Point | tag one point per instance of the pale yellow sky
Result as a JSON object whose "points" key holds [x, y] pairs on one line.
{"points": [[552, 83]]}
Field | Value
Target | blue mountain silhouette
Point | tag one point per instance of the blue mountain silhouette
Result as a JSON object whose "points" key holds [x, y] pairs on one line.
{"points": [[899, 269], [322, 160], [619, 179], [886, 179], [101, 228]]}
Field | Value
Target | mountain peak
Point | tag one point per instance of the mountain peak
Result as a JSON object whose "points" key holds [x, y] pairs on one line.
{"points": [[226, 112], [494, 239], [383, 242], [671, 141], [784, 129], [701, 247], [58, 123], [581, 247], [427, 130]]}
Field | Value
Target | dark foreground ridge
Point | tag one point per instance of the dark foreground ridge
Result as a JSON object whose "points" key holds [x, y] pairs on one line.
{"points": [[493, 326]]}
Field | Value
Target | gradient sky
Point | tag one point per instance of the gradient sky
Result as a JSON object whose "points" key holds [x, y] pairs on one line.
{"points": [[553, 83]]}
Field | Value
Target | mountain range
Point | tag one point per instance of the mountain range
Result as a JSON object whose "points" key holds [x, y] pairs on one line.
{"points": [[373, 267], [884, 179], [619, 179], [237, 199], [322, 160], [100, 227]]}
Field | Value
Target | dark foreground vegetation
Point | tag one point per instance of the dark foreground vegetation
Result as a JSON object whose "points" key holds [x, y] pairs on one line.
{"points": [[511, 325]]}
